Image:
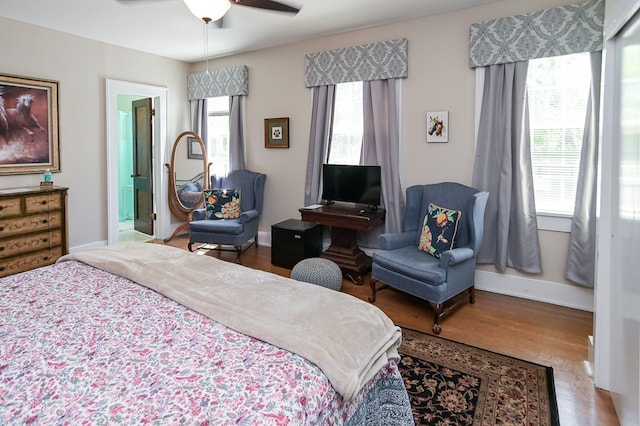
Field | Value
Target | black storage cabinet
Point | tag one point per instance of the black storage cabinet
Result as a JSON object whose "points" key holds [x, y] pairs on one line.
{"points": [[294, 240]]}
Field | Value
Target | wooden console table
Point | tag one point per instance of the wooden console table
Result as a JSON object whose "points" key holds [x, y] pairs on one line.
{"points": [[345, 221]]}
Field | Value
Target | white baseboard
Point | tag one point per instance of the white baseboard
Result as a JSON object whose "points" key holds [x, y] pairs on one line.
{"points": [[264, 238], [83, 247], [511, 285], [588, 363], [533, 289]]}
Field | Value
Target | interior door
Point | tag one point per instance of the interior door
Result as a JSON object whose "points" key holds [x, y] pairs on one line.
{"points": [[143, 215], [625, 288]]}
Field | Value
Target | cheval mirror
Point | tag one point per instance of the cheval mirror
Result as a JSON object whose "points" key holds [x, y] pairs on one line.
{"points": [[188, 177]]}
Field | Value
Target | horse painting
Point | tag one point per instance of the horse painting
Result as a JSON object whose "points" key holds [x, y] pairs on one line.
{"points": [[437, 126], [28, 125], [4, 124], [20, 118], [24, 140]]}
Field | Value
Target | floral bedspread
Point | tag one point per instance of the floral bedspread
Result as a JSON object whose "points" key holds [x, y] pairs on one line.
{"points": [[79, 345]]}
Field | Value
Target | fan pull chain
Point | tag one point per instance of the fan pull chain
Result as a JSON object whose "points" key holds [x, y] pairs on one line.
{"points": [[206, 40]]}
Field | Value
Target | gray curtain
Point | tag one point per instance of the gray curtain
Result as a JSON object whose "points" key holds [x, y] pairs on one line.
{"points": [[503, 167], [199, 116], [236, 133], [581, 262], [381, 144], [319, 140]]}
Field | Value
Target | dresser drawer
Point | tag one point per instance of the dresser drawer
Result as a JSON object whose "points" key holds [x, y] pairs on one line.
{"points": [[33, 223], [29, 261], [9, 207], [42, 202], [29, 243]]}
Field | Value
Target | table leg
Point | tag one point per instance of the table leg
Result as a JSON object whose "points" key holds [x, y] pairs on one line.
{"points": [[344, 251]]}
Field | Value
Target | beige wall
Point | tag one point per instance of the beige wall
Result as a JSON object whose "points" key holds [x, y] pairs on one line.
{"points": [[439, 79], [81, 66]]}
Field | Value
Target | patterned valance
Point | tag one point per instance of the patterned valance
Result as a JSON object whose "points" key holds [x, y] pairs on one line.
{"points": [[559, 31], [231, 81], [375, 61]]}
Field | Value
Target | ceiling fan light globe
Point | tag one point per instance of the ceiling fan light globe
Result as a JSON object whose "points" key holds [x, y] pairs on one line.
{"points": [[208, 9]]}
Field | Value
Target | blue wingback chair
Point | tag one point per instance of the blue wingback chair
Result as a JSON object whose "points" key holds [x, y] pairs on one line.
{"points": [[231, 232], [402, 265]]}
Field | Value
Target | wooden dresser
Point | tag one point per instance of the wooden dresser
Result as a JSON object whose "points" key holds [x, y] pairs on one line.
{"points": [[33, 228]]}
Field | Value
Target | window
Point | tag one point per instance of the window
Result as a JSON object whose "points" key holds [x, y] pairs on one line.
{"points": [[348, 125], [218, 129], [557, 90]]}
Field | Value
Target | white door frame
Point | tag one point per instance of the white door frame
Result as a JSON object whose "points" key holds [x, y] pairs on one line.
{"points": [[161, 204]]}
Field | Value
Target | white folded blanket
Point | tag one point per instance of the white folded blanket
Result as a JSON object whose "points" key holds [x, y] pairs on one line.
{"points": [[349, 339]]}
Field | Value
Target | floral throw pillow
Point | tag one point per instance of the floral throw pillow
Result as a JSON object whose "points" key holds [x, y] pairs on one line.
{"points": [[439, 230], [222, 203]]}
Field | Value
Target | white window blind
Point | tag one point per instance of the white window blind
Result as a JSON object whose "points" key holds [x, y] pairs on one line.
{"points": [[218, 130], [348, 124], [557, 90]]}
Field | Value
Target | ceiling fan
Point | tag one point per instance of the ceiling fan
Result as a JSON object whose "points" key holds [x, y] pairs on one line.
{"points": [[214, 10]]}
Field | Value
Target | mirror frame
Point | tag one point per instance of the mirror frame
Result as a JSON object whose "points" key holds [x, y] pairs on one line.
{"points": [[176, 207]]}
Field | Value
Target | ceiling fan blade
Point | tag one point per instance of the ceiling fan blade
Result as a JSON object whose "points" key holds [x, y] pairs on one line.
{"points": [[267, 4]]}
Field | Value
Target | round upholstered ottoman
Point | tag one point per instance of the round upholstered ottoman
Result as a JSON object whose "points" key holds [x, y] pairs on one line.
{"points": [[317, 270]]}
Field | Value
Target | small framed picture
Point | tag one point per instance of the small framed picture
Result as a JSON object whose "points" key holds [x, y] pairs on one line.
{"points": [[194, 150], [438, 126], [276, 132]]}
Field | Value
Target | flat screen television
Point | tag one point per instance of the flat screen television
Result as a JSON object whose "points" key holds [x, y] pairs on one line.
{"points": [[352, 184]]}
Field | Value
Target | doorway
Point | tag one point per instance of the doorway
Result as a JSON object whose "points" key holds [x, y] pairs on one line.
{"points": [[120, 206], [126, 197], [143, 206]]}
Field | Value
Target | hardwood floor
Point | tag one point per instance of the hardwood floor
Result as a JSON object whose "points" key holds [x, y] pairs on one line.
{"points": [[538, 332]]}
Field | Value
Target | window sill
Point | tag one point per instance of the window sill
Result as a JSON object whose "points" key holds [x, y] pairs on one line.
{"points": [[554, 223]]}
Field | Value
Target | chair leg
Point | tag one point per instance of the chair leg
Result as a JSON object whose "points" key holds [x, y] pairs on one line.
{"points": [[440, 312], [372, 296], [437, 313], [190, 246], [238, 252], [375, 289]]}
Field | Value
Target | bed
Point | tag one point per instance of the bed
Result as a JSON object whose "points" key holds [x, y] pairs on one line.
{"points": [[145, 333]]}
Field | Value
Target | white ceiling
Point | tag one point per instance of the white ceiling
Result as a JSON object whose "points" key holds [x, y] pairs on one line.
{"points": [[167, 28]]}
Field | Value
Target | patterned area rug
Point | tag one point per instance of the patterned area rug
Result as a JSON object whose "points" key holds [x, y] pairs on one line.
{"points": [[453, 383]]}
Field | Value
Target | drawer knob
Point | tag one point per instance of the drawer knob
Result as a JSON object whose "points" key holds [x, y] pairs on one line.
{"points": [[2, 248], [1, 228], [43, 202], [1, 268], [45, 258], [1, 207], [45, 221], [44, 240]]}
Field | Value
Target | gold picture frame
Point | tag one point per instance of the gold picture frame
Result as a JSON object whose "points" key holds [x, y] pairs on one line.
{"points": [[29, 139], [276, 132]]}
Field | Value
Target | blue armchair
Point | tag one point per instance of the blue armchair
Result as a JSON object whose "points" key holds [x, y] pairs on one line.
{"points": [[402, 265], [231, 232]]}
